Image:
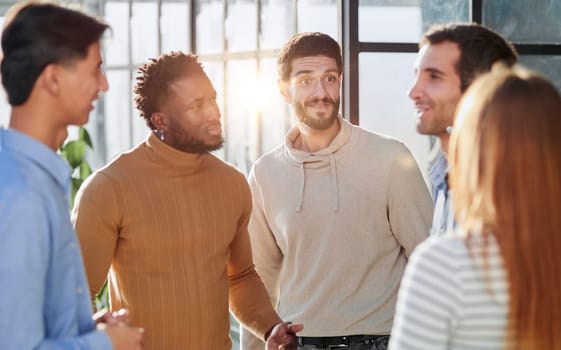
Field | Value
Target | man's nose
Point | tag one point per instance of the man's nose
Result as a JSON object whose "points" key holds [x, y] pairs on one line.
{"points": [[102, 85], [415, 91], [212, 111], [319, 90]]}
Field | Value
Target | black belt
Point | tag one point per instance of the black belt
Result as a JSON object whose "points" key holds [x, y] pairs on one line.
{"points": [[336, 341]]}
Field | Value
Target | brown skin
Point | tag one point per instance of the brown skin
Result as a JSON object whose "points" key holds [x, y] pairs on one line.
{"points": [[190, 120]]}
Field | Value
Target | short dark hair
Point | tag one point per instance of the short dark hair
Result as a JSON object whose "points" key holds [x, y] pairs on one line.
{"points": [[480, 47], [154, 78], [40, 34], [307, 44]]}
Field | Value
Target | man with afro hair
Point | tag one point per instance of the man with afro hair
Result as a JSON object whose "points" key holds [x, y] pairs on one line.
{"points": [[168, 221]]}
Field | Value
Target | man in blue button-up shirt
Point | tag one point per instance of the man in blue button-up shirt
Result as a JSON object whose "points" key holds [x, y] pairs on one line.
{"points": [[51, 71], [450, 57]]}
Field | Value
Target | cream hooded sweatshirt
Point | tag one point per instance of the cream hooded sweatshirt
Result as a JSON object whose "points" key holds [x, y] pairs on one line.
{"points": [[331, 230]]}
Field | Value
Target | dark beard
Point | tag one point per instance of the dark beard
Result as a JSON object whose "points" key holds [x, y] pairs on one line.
{"points": [[321, 124], [192, 145], [185, 142]]}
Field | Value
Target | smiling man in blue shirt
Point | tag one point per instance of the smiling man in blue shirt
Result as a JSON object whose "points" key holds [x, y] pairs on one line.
{"points": [[450, 57], [51, 71]]}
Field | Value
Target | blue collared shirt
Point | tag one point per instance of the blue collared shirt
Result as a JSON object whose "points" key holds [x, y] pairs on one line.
{"points": [[44, 298], [443, 216]]}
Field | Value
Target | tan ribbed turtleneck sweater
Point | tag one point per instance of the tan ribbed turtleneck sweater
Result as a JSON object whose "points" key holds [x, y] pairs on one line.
{"points": [[171, 229]]}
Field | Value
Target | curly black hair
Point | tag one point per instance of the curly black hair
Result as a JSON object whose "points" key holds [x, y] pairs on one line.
{"points": [[154, 78]]}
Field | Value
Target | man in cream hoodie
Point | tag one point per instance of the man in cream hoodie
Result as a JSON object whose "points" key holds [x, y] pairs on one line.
{"points": [[337, 211]]}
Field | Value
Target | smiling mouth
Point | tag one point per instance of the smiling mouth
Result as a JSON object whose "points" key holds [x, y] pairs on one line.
{"points": [[320, 105], [92, 105], [421, 109]]}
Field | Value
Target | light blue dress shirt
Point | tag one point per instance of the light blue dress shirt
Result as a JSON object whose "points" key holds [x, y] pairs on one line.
{"points": [[44, 296], [443, 215]]}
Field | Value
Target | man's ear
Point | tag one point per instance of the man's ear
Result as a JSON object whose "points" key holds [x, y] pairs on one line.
{"points": [[51, 78], [160, 121], [283, 86]]}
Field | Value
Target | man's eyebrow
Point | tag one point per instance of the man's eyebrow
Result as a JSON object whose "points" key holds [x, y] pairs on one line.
{"points": [[308, 71], [434, 71], [201, 99], [304, 71]]}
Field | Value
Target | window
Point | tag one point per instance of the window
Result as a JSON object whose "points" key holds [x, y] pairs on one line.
{"points": [[388, 33], [237, 41], [381, 40]]}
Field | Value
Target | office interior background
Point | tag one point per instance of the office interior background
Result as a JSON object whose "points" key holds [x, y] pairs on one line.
{"points": [[238, 40]]}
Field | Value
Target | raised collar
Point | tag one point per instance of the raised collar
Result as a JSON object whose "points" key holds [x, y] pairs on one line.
{"points": [[38, 154], [174, 159], [299, 156]]}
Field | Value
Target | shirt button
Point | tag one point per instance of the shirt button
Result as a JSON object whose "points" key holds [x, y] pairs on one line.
{"points": [[79, 290], [72, 245]]}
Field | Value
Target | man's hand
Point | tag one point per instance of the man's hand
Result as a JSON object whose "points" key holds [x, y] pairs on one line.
{"points": [[283, 336], [116, 325], [124, 337], [117, 317]]}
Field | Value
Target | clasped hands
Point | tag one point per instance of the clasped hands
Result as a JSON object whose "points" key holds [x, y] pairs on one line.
{"points": [[116, 326]]}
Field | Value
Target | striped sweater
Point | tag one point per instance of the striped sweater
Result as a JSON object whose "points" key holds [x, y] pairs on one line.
{"points": [[448, 300]]}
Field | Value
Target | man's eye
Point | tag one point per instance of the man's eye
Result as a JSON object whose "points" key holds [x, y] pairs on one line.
{"points": [[208, 103], [305, 81], [202, 104], [331, 79]]}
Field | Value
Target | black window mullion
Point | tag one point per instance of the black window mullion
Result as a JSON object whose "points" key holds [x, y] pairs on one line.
{"points": [[476, 11], [351, 49]]}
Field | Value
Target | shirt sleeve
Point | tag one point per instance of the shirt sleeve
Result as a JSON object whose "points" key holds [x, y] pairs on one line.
{"points": [[429, 299], [267, 255], [410, 203], [96, 218], [25, 253], [249, 301]]}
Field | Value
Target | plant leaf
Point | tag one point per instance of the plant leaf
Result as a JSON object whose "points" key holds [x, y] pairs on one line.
{"points": [[85, 136], [85, 170], [74, 152], [76, 183]]}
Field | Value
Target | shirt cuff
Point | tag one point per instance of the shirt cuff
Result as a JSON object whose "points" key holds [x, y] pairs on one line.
{"points": [[98, 340]]}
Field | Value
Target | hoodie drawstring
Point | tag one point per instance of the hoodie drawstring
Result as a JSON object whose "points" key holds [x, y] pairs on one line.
{"points": [[332, 182], [301, 188]]}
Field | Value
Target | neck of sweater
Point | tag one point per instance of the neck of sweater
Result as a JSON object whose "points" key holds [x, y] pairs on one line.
{"points": [[174, 160]]}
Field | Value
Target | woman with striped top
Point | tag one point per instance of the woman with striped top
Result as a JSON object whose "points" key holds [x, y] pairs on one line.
{"points": [[494, 283]]}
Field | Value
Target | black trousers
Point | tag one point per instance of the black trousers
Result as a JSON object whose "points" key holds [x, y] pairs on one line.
{"points": [[351, 342]]}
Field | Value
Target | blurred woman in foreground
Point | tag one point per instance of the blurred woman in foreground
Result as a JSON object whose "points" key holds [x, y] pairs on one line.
{"points": [[494, 283]]}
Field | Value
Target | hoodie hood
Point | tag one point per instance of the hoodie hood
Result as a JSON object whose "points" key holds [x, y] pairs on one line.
{"points": [[315, 160]]}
